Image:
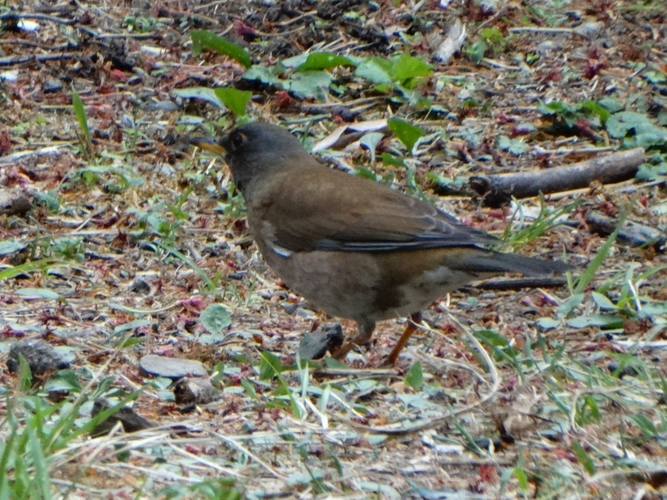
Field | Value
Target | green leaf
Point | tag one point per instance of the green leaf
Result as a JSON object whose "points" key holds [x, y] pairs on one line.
{"points": [[407, 68], [334, 363], [38, 293], [64, 380], [647, 172], [475, 52], [521, 478], [392, 160], [646, 426], [622, 124], [370, 142], [545, 324], [406, 132], [264, 75], [269, 366], [203, 39], [603, 302], [309, 84], [324, 60], [80, 113], [247, 385], [415, 377], [655, 76], [376, 70], [131, 325], [587, 276], [553, 108], [215, 318], [594, 409], [8, 247], [596, 109], [28, 267], [203, 93], [380, 490], [570, 303], [236, 100], [583, 457], [604, 321], [514, 146], [610, 104]]}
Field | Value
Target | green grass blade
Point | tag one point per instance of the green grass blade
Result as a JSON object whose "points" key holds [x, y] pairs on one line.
{"points": [[588, 275]]}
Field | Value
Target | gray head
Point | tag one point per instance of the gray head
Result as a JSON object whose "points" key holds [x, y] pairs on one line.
{"points": [[254, 149]]}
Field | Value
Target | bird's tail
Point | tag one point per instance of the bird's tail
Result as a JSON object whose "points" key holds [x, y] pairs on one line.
{"points": [[482, 261]]}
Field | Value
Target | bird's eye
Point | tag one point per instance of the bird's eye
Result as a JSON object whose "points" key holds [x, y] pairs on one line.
{"points": [[238, 140]]}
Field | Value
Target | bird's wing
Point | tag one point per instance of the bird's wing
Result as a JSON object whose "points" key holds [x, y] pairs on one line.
{"points": [[304, 209]]}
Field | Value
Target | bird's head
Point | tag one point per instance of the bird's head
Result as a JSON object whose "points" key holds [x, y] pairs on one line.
{"points": [[253, 150]]}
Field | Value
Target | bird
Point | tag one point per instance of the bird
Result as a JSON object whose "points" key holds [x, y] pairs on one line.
{"points": [[353, 247]]}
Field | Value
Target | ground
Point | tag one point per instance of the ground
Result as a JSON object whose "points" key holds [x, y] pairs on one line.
{"points": [[133, 233]]}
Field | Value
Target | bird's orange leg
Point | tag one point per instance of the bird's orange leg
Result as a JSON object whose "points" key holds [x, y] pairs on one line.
{"points": [[413, 326]]}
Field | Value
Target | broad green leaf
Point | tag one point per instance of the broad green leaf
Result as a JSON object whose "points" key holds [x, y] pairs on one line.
{"points": [[203, 93], [406, 132], [202, 39], [610, 104], [655, 76], [64, 380], [514, 146], [603, 302], [264, 75], [370, 142], [596, 108], [545, 324], [392, 160], [475, 52], [492, 35], [415, 377], [215, 318], [309, 84], [605, 321], [324, 60], [8, 247], [38, 293], [236, 100], [376, 70], [621, 124], [406, 68], [648, 172]]}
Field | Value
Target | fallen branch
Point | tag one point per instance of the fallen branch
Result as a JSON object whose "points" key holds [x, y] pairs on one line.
{"points": [[14, 60], [634, 233], [500, 189]]}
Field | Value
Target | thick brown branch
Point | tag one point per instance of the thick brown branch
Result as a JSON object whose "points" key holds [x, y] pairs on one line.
{"points": [[499, 189]]}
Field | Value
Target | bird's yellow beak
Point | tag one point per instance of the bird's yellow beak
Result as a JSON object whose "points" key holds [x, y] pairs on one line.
{"points": [[209, 144]]}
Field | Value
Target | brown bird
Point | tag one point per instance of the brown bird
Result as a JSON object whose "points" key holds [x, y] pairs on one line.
{"points": [[354, 248]]}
